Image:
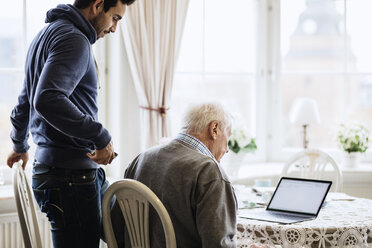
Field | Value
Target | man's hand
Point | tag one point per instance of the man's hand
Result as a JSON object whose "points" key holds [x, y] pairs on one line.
{"points": [[103, 156], [14, 157]]}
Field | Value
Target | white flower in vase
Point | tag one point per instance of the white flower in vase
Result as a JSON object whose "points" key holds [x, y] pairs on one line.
{"points": [[240, 143], [353, 139]]}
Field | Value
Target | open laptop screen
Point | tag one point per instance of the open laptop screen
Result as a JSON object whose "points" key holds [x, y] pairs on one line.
{"points": [[299, 195]]}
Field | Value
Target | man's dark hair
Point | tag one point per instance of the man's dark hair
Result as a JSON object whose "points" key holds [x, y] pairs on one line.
{"points": [[82, 4]]}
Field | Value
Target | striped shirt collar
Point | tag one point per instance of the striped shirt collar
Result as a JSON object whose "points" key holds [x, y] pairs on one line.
{"points": [[196, 143]]}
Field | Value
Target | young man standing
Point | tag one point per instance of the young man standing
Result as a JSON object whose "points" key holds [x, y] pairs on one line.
{"points": [[58, 106]]}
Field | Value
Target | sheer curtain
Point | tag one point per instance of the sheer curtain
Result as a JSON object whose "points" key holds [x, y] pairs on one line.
{"points": [[152, 38]]}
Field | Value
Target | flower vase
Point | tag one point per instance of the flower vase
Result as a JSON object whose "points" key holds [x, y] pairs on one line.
{"points": [[233, 163], [351, 159]]}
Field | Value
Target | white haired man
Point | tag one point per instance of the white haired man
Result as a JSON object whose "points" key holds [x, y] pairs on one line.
{"points": [[186, 176]]}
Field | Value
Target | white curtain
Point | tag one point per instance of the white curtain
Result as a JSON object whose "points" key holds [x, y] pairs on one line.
{"points": [[152, 38]]}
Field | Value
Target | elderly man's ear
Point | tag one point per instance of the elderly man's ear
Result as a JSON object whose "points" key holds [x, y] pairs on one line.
{"points": [[214, 128]]}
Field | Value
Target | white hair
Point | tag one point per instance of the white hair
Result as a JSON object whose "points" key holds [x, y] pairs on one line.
{"points": [[199, 116]]}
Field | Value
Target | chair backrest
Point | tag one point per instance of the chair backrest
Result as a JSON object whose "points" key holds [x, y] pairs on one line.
{"points": [[134, 198], [315, 164], [26, 208]]}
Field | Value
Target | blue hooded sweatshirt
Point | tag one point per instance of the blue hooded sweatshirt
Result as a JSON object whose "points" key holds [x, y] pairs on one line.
{"points": [[58, 102]]}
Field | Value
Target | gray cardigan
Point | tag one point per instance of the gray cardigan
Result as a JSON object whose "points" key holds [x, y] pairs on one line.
{"points": [[193, 188]]}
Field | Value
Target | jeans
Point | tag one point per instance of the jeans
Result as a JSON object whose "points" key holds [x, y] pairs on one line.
{"points": [[72, 202]]}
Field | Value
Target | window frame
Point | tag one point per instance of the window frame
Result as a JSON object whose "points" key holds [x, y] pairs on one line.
{"points": [[268, 105], [275, 150]]}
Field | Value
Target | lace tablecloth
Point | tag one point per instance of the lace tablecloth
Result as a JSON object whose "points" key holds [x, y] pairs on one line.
{"points": [[339, 224]]}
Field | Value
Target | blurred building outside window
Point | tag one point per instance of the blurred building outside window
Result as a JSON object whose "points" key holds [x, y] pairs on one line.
{"points": [[324, 54]]}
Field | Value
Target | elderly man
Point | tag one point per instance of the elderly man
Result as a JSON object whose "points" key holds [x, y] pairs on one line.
{"points": [[185, 174]]}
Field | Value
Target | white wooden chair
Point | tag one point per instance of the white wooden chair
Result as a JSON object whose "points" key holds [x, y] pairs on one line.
{"points": [[134, 198], [26, 208], [315, 164]]}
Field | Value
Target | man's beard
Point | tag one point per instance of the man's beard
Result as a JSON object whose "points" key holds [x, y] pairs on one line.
{"points": [[95, 23]]}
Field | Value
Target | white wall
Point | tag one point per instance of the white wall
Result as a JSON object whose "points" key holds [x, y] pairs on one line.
{"points": [[120, 113]]}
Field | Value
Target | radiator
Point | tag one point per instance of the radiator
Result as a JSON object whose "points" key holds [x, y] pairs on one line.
{"points": [[11, 234]]}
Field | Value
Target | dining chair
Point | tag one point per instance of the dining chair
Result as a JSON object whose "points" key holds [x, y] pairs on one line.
{"points": [[315, 164], [26, 208], [134, 198]]}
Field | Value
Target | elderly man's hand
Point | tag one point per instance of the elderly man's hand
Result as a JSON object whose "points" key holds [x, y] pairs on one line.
{"points": [[103, 156]]}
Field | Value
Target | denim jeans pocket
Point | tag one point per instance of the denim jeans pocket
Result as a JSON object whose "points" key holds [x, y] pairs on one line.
{"points": [[49, 201], [86, 187]]}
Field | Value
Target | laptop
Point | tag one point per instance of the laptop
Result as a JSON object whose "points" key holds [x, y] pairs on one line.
{"points": [[294, 200]]}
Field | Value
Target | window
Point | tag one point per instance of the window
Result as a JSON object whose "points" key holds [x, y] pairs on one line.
{"points": [[20, 21], [258, 56], [217, 59], [325, 55], [255, 56]]}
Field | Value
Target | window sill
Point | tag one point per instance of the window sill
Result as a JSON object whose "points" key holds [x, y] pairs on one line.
{"points": [[7, 203], [356, 181], [251, 170]]}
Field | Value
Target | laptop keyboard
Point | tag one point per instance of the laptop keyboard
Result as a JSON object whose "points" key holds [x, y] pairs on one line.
{"points": [[286, 216], [264, 215]]}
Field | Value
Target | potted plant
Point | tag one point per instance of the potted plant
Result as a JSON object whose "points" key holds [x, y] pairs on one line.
{"points": [[354, 140], [240, 143]]}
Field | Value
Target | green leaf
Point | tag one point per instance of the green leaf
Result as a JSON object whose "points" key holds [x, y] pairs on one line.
{"points": [[233, 146]]}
